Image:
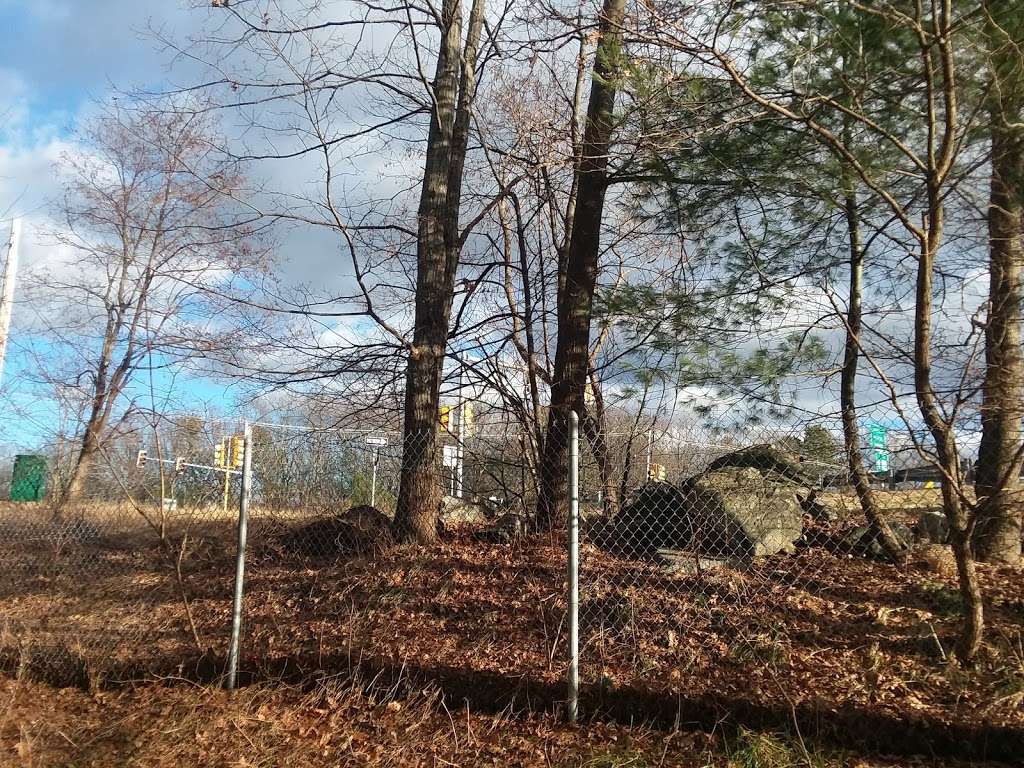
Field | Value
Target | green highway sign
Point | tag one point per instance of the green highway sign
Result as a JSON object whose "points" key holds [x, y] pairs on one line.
{"points": [[878, 441]]}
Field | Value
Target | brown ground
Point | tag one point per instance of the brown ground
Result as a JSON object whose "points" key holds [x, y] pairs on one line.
{"points": [[854, 651], [161, 725]]}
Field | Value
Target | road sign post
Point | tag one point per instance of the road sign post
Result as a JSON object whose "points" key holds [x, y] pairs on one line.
{"points": [[376, 442]]}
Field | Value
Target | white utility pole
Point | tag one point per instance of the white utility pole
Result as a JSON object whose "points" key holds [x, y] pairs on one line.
{"points": [[650, 451], [461, 434], [7, 291]]}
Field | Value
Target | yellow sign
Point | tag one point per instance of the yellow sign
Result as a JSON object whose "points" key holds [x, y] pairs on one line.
{"points": [[657, 472], [446, 412]]}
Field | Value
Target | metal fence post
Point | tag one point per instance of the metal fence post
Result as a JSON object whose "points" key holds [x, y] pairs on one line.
{"points": [[243, 533], [574, 566]]}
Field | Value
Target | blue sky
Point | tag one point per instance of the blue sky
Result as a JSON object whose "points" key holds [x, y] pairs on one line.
{"points": [[58, 56]]}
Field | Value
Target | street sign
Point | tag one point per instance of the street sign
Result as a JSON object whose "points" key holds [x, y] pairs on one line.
{"points": [[376, 440], [877, 435], [450, 456], [878, 441]]}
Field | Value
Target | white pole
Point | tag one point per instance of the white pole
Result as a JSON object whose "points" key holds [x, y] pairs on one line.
{"points": [[650, 453], [7, 293], [243, 536], [373, 487], [574, 566], [461, 434]]}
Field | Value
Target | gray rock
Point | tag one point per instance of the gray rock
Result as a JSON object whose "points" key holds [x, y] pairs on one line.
{"points": [[726, 512], [737, 512], [932, 527], [873, 547], [457, 512], [853, 538], [506, 529], [691, 564], [863, 541], [816, 509], [654, 516], [770, 462]]}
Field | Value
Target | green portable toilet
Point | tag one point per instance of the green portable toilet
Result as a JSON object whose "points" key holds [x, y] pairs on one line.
{"points": [[28, 480]]}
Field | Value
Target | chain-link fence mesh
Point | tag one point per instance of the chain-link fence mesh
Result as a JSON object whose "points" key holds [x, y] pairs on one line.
{"points": [[738, 561], [106, 565], [715, 561]]}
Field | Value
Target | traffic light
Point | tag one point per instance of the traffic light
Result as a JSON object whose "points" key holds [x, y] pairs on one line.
{"points": [[218, 456], [140, 460], [446, 412], [237, 451]]}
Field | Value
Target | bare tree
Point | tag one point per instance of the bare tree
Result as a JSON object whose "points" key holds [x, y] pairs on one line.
{"points": [[343, 84], [151, 220]]}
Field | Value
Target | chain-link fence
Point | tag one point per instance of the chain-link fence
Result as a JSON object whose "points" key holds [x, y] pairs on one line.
{"points": [[733, 562], [105, 568], [713, 562]]}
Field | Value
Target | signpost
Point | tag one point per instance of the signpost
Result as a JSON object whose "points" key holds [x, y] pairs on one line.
{"points": [[377, 441]]}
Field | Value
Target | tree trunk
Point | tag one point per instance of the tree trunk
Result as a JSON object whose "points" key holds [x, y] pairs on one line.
{"points": [[946, 454], [575, 300], [847, 388], [75, 485], [437, 255], [997, 535], [970, 593]]}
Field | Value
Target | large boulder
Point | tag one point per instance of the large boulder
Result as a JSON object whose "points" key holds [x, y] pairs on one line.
{"points": [[785, 469], [862, 540], [507, 529], [731, 512], [932, 527], [771, 463], [456, 512], [738, 512], [817, 508], [653, 517]]}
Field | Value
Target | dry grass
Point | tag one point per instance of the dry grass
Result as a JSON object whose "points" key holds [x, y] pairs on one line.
{"points": [[904, 501], [338, 724]]}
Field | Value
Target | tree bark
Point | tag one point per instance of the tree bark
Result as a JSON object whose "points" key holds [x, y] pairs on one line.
{"points": [[848, 383], [575, 300], [106, 389], [75, 485], [997, 534], [946, 454], [437, 256]]}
